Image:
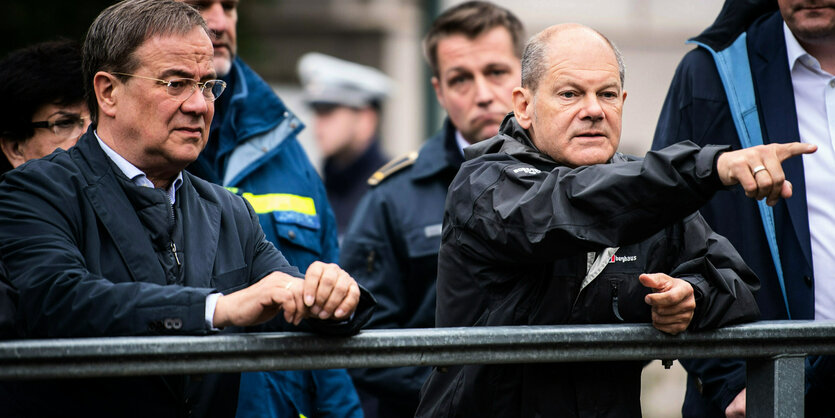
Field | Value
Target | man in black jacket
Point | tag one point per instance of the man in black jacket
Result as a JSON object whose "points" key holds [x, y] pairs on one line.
{"points": [[547, 224], [113, 238]]}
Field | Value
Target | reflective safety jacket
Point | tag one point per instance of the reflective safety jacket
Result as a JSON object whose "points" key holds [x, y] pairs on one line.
{"points": [[527, 241], [253, 151]]}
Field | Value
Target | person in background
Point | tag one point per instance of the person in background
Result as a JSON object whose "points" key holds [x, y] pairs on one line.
{"points": [[347, 100], [114, 238], [43, 101], [253, 151], [789, 48], [42, 110], [392, 243]]}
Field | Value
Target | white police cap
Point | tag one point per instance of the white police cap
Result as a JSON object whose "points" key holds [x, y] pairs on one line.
{"points": [[330, 80]]}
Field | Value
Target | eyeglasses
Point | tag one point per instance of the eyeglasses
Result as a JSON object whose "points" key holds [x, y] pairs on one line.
{"points": [[64, 125], [183, 88]]}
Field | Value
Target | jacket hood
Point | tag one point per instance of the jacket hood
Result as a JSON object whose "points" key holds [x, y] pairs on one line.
{"points": [[516, 142], [251, 107], [734, 18]]}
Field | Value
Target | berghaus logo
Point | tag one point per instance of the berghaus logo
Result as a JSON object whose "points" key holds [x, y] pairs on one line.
{"points": [[623, 259]]}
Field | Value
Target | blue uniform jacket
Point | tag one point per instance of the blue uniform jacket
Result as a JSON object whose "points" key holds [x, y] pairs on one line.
{"points": [[254, 152], [391, 246], [696, 109], [81, 244]]}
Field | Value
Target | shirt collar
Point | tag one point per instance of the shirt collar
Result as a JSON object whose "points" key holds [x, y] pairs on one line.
{"points": [[136, 175], [462, 143], [796, 54]]}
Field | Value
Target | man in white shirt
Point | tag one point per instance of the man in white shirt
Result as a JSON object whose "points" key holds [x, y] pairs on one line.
{"points": [[791, 54]]}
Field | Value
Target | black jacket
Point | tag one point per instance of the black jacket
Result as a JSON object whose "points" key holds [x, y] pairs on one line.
{"points": [[87, 251], [518, 228]]}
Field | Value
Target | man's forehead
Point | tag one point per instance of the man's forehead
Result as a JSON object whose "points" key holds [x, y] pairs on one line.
{"points": [[493, 47], [171, 50]]}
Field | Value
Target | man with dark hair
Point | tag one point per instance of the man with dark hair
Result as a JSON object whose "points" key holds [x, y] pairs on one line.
{"points": [[392, 243], [547, 224], [783, 55], [43, 101], [114, 238]]}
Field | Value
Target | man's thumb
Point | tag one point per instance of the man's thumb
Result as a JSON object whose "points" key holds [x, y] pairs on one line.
{"points": [[652, 280]]}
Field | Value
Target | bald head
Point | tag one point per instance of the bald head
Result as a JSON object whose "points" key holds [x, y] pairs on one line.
{"points": [[558, 40]]}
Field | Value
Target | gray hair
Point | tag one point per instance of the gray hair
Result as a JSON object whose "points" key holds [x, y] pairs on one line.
{"points": [[534, 58], [122, 28]]}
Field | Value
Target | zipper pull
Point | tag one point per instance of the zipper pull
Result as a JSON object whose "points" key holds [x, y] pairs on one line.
{"points": [[615, 309], [174, 251]]}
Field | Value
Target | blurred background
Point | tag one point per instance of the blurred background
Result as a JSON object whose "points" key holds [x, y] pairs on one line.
{"points": [[273, 34]]}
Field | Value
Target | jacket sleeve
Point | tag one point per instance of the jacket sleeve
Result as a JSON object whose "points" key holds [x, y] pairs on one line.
{"points": [[524, 212], [723, 283], [696, 109], [373, 252]]}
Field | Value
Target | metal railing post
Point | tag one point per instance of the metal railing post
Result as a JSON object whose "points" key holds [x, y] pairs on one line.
{"points": [[776, 387]]}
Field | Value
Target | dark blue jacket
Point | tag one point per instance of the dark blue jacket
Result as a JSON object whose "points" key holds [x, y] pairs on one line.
{"points": [[697, 109], [254, 152], [392, 247], [85, 248]]}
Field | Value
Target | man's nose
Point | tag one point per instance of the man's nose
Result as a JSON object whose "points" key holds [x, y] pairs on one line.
{"points": [[196, 103], [484, 93], [215, 18], [591, 108]]}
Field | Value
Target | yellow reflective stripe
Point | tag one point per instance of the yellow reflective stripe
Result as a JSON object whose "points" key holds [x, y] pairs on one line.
{"points": [[232, 189], [266, 203]]}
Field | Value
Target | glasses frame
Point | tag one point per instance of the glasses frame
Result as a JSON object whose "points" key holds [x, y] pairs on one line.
{"points": [[52, 125], [195, 85]]}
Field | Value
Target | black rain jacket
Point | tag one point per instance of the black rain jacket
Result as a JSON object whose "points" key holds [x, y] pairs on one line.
{"points": [[518, 229]]}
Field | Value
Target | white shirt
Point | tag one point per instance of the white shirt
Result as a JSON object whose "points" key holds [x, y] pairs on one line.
{"points": [[139, 178], [814, 98]]}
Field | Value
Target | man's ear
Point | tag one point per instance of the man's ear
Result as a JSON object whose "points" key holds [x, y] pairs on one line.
{"points": [[11, 149], [107, 91], [523, 106]]}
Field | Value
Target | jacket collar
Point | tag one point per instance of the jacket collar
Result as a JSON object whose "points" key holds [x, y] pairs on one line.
{"points": [[734, 18], [440, 153], [110, 204]]}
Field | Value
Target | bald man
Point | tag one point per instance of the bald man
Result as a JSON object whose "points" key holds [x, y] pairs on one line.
{"points": [[547, 224]]}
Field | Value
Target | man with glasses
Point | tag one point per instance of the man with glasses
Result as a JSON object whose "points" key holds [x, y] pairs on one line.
{"points": [[115, 238]]}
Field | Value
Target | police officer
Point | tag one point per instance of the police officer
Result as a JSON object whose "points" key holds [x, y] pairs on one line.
{"points": [[391, 245], [346, 99]]}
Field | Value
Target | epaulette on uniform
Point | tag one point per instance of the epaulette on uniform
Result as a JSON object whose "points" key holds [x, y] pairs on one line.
{"points": [[392, 167]]}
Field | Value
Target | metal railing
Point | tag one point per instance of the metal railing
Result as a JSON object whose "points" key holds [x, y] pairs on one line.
{"points": [[775, 351]]}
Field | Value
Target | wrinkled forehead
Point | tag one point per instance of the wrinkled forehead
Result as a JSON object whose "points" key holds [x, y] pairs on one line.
{"points": [[191, 51]]}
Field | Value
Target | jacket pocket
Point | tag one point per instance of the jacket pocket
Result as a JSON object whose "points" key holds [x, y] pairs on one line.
{"points": [[297, 233]]}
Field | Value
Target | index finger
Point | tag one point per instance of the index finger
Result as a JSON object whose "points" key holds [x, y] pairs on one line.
{"points": [[791, 149]]}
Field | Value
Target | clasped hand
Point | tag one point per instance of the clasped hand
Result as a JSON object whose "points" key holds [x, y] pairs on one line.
{"points": [[327, 292]]}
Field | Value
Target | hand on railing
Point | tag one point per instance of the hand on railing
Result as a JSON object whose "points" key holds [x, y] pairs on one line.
{"points": [[327, 292], [673, 303]]}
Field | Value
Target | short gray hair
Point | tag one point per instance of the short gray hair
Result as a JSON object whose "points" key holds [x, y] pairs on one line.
{"points": [[534, 58], [122, 28]]}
